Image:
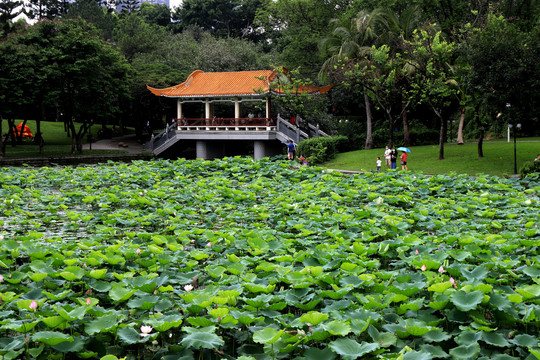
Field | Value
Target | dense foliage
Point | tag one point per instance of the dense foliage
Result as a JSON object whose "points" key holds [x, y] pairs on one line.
{"points": [[397, 66], [235, 259]]}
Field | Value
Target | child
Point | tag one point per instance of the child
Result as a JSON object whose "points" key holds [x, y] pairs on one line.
{"points": [[303, 160], [379, 163]]}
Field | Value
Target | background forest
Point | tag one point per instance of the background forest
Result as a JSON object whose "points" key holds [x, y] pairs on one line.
{"points": [[409, 72]]}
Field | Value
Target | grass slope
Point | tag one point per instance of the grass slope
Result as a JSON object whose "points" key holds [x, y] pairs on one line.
{"points": [[498, 158]]}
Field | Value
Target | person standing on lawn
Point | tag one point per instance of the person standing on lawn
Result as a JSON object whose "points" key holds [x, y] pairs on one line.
{"points": [[387, 157], [393, 158], [404, 161]]}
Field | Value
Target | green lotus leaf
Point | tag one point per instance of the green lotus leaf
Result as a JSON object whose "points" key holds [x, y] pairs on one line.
{"points": [[465, 352], [70, 346], [318, 354], [440, 287], [53, 321], [435, 351], [466, 301], [20, 326], [313, 317], [255, 288], [105, 323], [15, 277], [359, 326], [143, 302], [468, 337], [204, 338], [503, 357], [525, 340], [97, 274], [529, 291], [350, 349], [436, 335], [495, 339], [199, 321], [72, 273], [337, 327], [166, 322], [12, 343], [74, 314], [59, 296], [119, 293], [417, 355], [37, 277], [130, 336], [384, 339], [219, 312], [215, 271], [479, 273], [267, 335], [51, 337]]}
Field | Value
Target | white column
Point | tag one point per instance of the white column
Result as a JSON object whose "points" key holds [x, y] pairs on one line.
{"points": [[178, 109], [237, 108]]}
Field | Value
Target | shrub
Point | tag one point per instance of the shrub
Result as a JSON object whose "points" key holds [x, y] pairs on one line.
{"points": [[320, 149], [530, 167]]}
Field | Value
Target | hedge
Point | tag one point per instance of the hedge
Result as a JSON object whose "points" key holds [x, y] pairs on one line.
{"points": [[320, 149]]}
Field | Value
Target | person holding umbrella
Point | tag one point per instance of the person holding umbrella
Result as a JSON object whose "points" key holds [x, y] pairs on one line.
{"points": [[404, 156]]}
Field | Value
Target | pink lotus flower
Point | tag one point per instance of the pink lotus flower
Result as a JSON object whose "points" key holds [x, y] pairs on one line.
{"points": [[1, 278], [138, 251], [188, 287], [33, 305], [146, 330], [423, 268], [441, 269], [209, 244], [88, 301], [416, 252], [452, 281], [1, 237]]}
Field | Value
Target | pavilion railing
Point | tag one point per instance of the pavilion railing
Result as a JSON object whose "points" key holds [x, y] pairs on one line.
{"points": [[198, 123]]}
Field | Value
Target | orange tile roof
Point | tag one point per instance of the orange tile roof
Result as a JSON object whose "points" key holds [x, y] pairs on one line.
{"points": [[220, 84]]}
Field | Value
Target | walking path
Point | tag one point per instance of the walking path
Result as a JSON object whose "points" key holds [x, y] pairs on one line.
{"points": [[126, 143]]}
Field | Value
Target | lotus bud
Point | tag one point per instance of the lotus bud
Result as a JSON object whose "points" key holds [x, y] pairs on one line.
{"points": [[1, 279], [33, 305], [138, 251], [423, 268], [416, 252], [441, 269], [88, 301]]}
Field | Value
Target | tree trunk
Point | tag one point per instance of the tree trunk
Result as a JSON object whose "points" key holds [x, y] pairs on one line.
{"points": [[441, 139], [460, 127], [406, 135], [369, 130], [480, 141]]}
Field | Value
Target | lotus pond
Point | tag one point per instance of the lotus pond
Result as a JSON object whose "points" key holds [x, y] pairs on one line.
{"points": [[236, 259]]}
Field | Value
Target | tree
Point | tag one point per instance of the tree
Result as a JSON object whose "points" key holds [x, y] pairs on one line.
{"points": [[431, 56], [134, 36], [155, 14], [224, 18], [9, 10], [295, 29], [351, 40], [96, 13], [75, 72], [504, 70]]}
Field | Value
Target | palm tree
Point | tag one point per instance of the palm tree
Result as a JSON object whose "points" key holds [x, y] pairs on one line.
{"points": [[350, 41], [395, 30]]}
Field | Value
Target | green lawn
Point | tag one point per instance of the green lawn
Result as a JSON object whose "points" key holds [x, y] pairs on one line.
{"points": [[498, 158], [57, 143]]}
